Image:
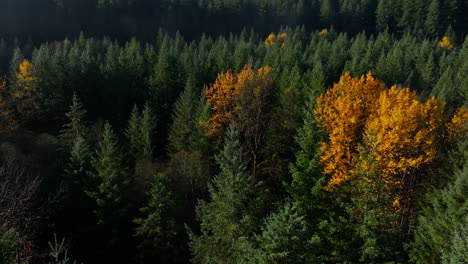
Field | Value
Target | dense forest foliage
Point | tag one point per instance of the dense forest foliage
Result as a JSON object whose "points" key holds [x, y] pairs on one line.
{"points": [[229, 131]]}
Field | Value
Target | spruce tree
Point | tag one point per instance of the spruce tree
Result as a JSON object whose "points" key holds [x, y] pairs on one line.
{"points": [[432, 23], [232, 213], [445, 208], [14, 64], [133, 133], [182, 120], [147, 130], [109, 175], [284, 239], [75, 128], [140, 132], [157, 228]]}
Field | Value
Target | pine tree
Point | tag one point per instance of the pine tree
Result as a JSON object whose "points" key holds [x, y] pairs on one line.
{"points": [[111, 180], [14, 64], [182, 120], [284, 239], [140, 132], [78, 164], [232, 213], [157, 228], [432, 23], [75, 127], [133, 133], [456, 254], [147, 130], [198, 139], [445, 209]]}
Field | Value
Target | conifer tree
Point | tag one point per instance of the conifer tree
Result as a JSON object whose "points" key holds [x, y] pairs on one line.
{"points": [[432, 23], [75, 127], [284, 239], [110, 176], [140, 132], [147, 127], [14, 64], [133, 132], [157, 228], [232, 213], [182, 120], [456, 254], [445, 209]]}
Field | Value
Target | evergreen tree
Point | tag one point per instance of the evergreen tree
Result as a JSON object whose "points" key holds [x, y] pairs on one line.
{"points": [[140, 132], [157, 228], [232, 213], [182, 120], [445, 209], [112, 183], [133, 133], [456, 254], [75, 128], [284, 239], [432, 23], [14, 64], [147, 129]]}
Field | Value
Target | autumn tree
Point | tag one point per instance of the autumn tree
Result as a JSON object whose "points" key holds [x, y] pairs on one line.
{"points": [[225, 93], [342, 112]]}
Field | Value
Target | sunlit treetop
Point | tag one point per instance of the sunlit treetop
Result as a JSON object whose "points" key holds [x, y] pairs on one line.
{"points": [[446, 43], [276, 40]]}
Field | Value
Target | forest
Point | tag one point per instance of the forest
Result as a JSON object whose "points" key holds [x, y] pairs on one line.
{"points": [[233, 131]]}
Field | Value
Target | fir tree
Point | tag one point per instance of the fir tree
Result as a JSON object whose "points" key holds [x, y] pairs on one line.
{"points": [[284, 239], [456, 254], [445, 209], [110, 176], [133, 133], [232, 213], [157, 228], [432, 23], [182, 120], [75, 127]]}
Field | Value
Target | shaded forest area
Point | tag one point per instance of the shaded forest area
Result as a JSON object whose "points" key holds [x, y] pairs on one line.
{"points": [[169, 132], [49, 20]]}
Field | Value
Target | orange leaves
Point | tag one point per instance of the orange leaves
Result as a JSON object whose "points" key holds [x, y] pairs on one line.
{"points": [[404, 129], [446, 43], [225, 92], [342, 112], [323, 32], [25, 78], [273, 40], [458, 126]]}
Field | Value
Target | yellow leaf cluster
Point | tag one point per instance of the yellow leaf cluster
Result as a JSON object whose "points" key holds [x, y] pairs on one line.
{"points": [[458, 126], [274, 40], [323, 32], [404, 128], [223, 94], [342, 112], [26, 81], [446, 43]]}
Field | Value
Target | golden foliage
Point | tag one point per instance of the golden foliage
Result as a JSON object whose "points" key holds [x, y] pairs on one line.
{"points": [[273, 40], [446, 43], [225, 92], [342, 112], [405, 130], [458, 126], [323, 32], [16, 105]]}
